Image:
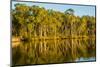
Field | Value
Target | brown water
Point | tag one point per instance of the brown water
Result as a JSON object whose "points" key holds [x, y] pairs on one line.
{"points": [[54, 51]]}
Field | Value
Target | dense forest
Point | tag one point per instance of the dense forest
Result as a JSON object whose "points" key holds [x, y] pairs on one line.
{"points": [[49, 36], [37, 22]]}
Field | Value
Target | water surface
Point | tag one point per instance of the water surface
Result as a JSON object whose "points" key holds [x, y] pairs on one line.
{"points": [[54, 51]]}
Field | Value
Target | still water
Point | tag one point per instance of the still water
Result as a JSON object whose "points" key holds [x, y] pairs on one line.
{"points": [[54, 51]]}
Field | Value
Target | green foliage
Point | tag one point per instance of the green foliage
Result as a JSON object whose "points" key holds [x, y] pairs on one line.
{"points": [[34, 21]]}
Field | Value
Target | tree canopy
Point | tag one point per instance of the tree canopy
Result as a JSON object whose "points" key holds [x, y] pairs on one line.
{"points": [[34, 21]]}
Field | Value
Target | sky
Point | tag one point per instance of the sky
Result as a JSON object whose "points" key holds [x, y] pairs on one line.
{"points": [[80, 10]]}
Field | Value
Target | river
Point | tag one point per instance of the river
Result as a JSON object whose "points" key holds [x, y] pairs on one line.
{"points": [[54, 51]]}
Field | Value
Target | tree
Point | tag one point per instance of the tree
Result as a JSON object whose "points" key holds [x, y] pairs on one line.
{"points": [[37, 22], [69, 11]]}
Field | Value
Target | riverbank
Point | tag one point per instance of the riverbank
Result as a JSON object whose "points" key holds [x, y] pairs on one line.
{"points": [[16, 39]]}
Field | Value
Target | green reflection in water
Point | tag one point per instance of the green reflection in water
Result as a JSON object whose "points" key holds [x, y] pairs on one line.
{"points": [[53, 51]]}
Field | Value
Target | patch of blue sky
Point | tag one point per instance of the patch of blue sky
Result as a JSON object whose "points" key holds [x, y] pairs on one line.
{"points": [[80, 10]]}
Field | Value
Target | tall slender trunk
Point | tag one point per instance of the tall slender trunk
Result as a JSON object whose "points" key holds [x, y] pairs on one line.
{"points": [[41, 31], [55, 32], [35, 32], [45, 31]]}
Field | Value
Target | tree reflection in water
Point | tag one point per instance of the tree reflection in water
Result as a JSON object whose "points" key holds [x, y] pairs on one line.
{"points": [[53, 51]]}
